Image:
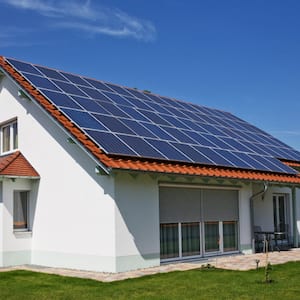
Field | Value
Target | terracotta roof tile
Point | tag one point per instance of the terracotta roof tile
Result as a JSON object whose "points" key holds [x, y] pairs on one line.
{"points": [[114, 162], [15, 164]]}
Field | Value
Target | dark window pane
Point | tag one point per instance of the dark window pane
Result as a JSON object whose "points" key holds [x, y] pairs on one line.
{"points": [[20, 210], [169, 243]]}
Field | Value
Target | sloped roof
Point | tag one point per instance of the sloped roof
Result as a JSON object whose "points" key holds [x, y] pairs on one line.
{"points": [[127, 161], [15, 164]]}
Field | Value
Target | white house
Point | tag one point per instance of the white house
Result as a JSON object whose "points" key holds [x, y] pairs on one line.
{"points": [[96, 176]]}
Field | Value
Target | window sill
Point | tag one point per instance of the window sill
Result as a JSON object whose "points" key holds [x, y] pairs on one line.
{"points": [[22, 233]]}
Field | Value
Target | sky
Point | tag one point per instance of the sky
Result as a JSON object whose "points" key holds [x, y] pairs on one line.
{"points": [[241, 56]]}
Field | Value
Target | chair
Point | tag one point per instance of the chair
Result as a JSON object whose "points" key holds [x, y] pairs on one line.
{"points": [[282, 239], [259, 239]]}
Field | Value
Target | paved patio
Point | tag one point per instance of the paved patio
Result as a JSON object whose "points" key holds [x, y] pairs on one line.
{"points": [[233, 262]]}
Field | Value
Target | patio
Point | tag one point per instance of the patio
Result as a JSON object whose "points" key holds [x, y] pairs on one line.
{"points": [[235, 262]]}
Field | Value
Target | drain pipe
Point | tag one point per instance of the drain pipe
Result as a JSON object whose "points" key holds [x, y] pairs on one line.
{"points": [[260, 193]]}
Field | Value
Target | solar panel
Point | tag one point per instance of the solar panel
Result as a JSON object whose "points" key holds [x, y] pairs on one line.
{"points": [[130, 122]]}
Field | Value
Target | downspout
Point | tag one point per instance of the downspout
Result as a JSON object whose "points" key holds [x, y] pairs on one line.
{"points": [[260, 193]]}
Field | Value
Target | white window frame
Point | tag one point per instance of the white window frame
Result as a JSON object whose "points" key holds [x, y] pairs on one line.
{"points": [[27, 228], [12, 132]]}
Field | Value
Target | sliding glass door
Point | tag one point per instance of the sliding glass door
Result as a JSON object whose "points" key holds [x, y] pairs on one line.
{"points": [[212, 236], [230, 236], [190, 239], [169, 244], [197, 222]]}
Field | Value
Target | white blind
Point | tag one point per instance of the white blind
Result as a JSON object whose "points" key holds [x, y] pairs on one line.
{"points": [[179, 205], [220, 205]]}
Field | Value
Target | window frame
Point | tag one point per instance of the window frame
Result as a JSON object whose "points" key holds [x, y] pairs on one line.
{"points": [[13, 136], [27, 228]]}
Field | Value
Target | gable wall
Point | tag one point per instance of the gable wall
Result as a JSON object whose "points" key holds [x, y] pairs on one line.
{"points": [[73, 222]]}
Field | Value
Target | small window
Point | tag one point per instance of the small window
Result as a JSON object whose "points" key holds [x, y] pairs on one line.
{"points": [[9, 137], [21, 210]]}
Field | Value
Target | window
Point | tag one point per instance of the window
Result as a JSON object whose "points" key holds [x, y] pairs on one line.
{"points": [[20, 210], [9, 137]]}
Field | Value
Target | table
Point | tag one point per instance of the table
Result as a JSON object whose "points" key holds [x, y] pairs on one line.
{"points": [[266, 238], [279, 236]]}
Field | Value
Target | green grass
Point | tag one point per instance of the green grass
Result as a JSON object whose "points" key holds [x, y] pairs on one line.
{"points": [[194, 284]]}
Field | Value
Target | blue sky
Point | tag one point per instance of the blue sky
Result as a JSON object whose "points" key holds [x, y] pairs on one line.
{"points": [[241, 56]]}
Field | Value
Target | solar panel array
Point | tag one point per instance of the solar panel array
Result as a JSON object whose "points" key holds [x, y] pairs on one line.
{"points": [[124, 121]]}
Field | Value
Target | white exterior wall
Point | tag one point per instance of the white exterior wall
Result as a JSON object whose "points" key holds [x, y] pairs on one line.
{"points": [[16, 246], [263, 207], [137, 222], [245, 219], [73, 224]]}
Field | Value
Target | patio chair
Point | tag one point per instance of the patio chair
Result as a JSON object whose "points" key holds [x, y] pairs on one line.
{"points": [[259, 239], [282, 239]]}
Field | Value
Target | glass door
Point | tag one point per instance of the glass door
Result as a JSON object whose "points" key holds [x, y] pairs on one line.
{"points": [[190, 239], [230, 236], [280, 218], [169, 243], [211, 237]]}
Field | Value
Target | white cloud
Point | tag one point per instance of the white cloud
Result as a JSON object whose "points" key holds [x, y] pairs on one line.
{"points": [[88, 17]]}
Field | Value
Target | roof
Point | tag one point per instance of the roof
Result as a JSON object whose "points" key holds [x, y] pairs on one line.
{"points": [[263, 160], [16, 165]]}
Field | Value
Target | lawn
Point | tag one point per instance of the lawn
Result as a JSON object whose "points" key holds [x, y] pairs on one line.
{"points": [[194, 284]]}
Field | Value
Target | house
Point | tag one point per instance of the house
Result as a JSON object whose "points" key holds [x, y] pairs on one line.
{"points": [[96, 176]]}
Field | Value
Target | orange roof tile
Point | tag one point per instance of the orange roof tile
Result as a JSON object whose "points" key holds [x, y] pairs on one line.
{"points": [[292, 163], [200, 170], [114, 162], [15, 164]]}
